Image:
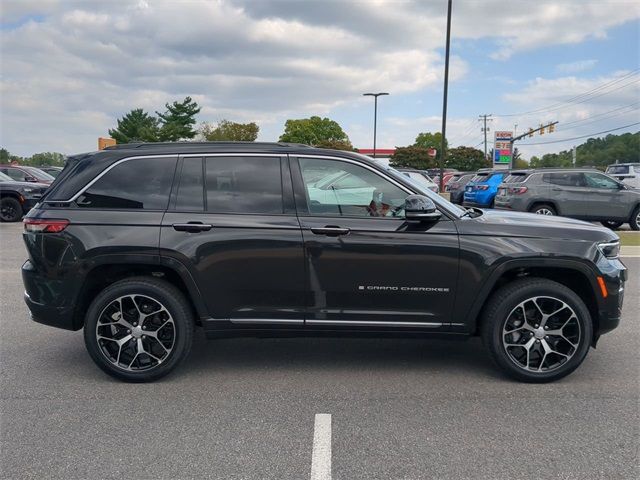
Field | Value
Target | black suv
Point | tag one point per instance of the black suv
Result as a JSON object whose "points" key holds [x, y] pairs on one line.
{"points": [[17, 198], [138, 244]]}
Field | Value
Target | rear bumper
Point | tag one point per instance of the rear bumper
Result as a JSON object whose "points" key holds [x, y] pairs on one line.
{"points": [[50, 301]]}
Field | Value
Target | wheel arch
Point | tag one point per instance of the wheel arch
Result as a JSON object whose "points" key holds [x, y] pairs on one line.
{"points": [[108, 271], [537, 201], [574, 274]]}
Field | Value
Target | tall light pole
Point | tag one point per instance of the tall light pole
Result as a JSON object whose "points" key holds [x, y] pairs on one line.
{"points": [[443, 153], [375, 115]]}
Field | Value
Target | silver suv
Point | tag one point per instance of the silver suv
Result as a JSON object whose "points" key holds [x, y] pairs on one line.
{"points": [[585, 194]]}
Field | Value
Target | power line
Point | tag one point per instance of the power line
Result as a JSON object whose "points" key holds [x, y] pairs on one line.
{"points": [[590, 119], [582, 97], [582, 136]]}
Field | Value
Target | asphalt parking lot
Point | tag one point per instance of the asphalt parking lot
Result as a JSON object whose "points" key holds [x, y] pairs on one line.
{"points": [[245, 408]]}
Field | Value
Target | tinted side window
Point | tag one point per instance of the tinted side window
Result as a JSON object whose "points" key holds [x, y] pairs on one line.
{"points": [[564, 178], [134, 184], [480, 178], [191, 187], [16, 174], [344, 189], [244, 185], [597, 180]]}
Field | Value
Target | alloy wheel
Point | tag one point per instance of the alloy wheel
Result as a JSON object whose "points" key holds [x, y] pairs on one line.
{"points": [[544, 211], [7, 213], [135, 332], [541, 334]]}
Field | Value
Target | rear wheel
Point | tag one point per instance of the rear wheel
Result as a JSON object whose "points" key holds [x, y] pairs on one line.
{"points": [[537, 330], [139, 329], [611, 224], [634, 221], [543, 209], [10, 210]]}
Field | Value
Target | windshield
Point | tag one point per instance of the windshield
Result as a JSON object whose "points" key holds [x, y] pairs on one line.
{"points": [[5, 178], [618, 169], [39, 174], [424, 190], [481, 177]]}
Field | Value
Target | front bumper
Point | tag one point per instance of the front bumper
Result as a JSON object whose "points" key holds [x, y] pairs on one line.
{"points": [[614, 274]]}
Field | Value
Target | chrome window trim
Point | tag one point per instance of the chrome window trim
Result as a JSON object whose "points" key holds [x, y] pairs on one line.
{"points": [[277, 321]]}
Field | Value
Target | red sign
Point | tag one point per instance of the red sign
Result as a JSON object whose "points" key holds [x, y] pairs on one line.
{"points": [[432, 152]]}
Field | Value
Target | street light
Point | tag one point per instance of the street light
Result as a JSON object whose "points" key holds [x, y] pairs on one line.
{"points": [[375, 115]]}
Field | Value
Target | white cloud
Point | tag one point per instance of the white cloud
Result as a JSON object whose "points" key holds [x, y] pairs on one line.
{"points": [[577, 66], [71, 68]]}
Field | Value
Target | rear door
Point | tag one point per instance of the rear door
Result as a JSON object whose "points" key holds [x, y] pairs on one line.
{"points": [[232, 224], [366, 266], [567, 191]]}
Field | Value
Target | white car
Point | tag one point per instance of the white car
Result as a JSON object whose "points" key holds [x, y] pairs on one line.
{"points": [[627, 173], [421, 178]]}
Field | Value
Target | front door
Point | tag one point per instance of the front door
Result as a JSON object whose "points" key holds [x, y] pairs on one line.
{"points": [[233, 225], [604, 197], [366, 265]]}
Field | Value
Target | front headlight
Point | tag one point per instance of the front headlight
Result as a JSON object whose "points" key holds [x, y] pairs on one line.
{"points": [[610, 249]]}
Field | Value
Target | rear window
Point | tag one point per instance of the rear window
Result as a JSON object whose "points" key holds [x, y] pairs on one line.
{"points": [[516, 177], [134, 184], [618, 169], [39, 174], [480, 177]]}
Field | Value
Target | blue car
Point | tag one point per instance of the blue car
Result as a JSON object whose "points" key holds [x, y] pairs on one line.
{"points": [[481, 189]]}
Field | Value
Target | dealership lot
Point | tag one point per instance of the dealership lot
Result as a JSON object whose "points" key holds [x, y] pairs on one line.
{"points": [[245, 408]]}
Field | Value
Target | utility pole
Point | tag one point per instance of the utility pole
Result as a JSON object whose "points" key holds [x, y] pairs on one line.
{"points": [[443, 145], [484, 118], [375, 116]]}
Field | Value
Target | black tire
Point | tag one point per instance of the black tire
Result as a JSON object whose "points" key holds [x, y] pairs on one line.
{"points": [[503, 307], [10, 210], [179, 333], [543, 208], [612, 224], [634, 221]]}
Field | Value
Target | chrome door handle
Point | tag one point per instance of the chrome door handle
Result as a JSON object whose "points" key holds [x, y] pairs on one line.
{"points": [[192, 227], [330, 231]]}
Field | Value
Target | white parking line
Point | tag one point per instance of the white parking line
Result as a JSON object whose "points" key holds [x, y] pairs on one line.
{"points": [[321, 456]]}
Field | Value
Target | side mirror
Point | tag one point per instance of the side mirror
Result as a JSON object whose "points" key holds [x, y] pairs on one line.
{"points": [[420, 209]]}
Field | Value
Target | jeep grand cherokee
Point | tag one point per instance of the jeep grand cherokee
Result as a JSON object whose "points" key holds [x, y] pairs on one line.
{"points": [[140, 244]]}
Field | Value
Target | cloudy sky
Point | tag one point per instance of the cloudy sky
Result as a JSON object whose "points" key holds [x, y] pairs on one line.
{"points": [[69, 69]]}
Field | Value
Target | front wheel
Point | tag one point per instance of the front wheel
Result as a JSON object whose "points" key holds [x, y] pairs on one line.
{"points": [[139, 329], [537, 330], [634, 222], [613, 225]]}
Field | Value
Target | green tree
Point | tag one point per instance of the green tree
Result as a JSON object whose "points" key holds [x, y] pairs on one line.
{"points": [[431, 140], [314, 131], [178, 120], [4, 155], [466, 159], [136, 126], [46, 158], [336, 145], [412, 157], [230, 131], [562, 159]]}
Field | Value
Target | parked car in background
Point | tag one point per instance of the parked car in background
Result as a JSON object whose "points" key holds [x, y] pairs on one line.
{"points": [[421, 177], [456, 185], [23, 173], [586, 194], [17, 198], [51, 170], [481, 190], [627, 173]]}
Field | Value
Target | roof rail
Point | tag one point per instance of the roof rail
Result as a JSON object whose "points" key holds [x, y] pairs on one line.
{"points": [[152, 145]]}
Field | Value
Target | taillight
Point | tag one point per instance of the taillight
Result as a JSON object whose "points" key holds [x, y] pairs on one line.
{"points": [[483, 187], [517, 190], [48, 225]]}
